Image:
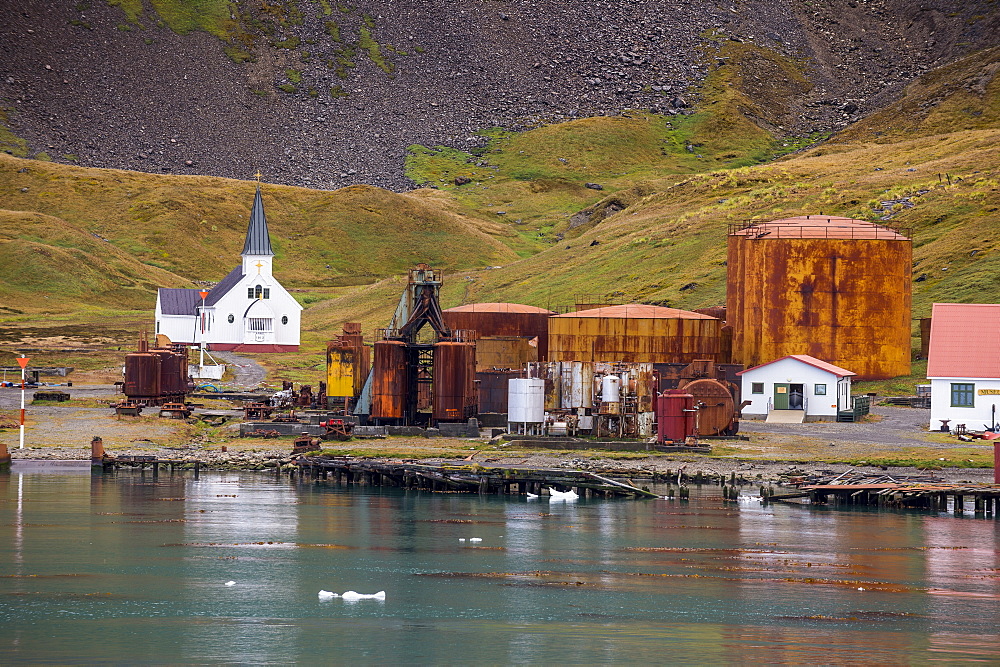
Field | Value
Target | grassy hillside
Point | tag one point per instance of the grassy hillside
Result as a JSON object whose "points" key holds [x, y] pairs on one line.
{"points": [[194, 226]]}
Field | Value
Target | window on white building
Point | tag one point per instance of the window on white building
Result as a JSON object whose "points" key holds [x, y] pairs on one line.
{"points": [[260, 324], [756, 387], [962, 395], [819, 389]]}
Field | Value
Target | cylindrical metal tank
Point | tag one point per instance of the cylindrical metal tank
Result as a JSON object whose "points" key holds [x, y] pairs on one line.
{"points": [[173, 373], [389, 380], [503, 320], [716, 407], [142, 375], [675, 416], [634, 333], [526, 401], [836, 289], [611, 389], [577, 380], [494, 387], [454, 381]]}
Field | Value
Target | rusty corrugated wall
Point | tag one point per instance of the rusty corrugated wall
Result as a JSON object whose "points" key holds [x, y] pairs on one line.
{"points": [[507, 352], [454, 381], [654, 340], [389, 380], [503, 324], [842, 300]]}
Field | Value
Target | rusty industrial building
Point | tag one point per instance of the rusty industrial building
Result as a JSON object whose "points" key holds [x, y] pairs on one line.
{"points": [[508, 335], [834, 288], [634, 333]]}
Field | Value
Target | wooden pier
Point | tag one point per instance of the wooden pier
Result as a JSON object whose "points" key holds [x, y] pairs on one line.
{"points": [[453, 478], [928, 495], [111, 463]]}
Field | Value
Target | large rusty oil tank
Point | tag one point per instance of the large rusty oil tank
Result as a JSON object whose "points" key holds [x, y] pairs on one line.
{"points": [[834, 288], [174, 381], [634, 333], [454, 381], [510, 334], [715, 404], [348, 360], [390, 380]]}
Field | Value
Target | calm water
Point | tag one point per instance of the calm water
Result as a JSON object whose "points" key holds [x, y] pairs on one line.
{"points": [[126, 568]]}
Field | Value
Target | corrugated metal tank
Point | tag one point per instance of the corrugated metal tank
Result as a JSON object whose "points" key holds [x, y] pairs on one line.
{"points": [[634, 333], [493, 388], [454, 381], [503, 321], [834, 288], [389, 380]]}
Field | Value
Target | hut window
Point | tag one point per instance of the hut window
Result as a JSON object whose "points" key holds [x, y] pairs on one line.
{"points": [[284, 319], [820, 390], [756, 387], [962, 394]]}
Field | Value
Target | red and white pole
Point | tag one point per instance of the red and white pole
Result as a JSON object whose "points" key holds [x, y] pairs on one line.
{"points": [[23, 362]]}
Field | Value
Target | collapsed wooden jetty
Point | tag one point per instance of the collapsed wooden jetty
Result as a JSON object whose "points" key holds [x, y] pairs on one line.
{"points": [[455, 478], [884, 491]]}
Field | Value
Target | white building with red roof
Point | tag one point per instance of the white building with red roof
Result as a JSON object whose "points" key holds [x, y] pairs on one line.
{"points": [[798, 388], [963, 366]]}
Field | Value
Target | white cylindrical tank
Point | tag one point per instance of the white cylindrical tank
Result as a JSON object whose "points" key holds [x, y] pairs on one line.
{"points": [[577, 378], [611, 389], [526, 401]]}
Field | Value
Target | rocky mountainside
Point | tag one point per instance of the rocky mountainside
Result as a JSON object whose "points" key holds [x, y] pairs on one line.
{"points": [[324, 94]]}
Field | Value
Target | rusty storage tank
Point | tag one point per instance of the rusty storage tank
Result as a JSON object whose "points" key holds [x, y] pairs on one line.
{"points": [[348, 360], [390, 380], [173, 373], [142, 375], [508, 330], [675, 416], [716, 406], [634, 333], [454, 381], [834, 288], [493, 387]]}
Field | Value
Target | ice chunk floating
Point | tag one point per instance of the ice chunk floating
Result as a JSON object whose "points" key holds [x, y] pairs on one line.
{"points": [[352, 596], [562, 495]]}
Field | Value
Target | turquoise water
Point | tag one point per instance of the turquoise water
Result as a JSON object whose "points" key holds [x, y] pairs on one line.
{"points": [[125, 568]]}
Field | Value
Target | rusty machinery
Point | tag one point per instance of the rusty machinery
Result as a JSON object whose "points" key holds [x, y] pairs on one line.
{"points": [[348, 362], [419, 379], [715, 391], [156, 375]]}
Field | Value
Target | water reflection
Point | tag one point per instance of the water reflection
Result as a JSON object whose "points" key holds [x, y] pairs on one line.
{"points": [[95, 566]]}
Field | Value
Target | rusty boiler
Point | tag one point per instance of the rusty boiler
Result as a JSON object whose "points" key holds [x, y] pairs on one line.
{"points": [[142, 374], [390, 380], [834, 288], [454, 381]]}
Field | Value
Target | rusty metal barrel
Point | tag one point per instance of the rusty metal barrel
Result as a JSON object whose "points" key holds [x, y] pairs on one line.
{"points": [[454, 381], [390, 379], [675, 416]]}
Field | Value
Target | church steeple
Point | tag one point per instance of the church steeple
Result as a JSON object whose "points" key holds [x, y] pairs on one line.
{"points": [[258, 242]]}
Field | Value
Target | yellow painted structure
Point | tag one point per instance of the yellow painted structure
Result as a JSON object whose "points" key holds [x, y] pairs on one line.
{"points": [[834, 288], [634, 333], [348, 360], [504, 352]]}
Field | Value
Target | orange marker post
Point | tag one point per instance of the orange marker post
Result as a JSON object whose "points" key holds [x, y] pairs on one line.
{"points": [[23, 363]]}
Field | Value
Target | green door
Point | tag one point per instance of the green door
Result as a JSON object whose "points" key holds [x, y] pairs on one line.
{"points": [[780, 396]]}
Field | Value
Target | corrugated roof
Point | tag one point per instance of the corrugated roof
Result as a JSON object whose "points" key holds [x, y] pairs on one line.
{"points": [[224, 286], [179, 300], [820, 227], [812, 361], [258, 241], [497, 308], [965, 341], [639, 311]]}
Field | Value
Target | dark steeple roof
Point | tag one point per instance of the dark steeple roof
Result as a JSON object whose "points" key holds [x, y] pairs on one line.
{"points": [[258, 241]]}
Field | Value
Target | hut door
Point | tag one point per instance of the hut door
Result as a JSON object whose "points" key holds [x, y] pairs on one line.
{"points": [[780, 396]]}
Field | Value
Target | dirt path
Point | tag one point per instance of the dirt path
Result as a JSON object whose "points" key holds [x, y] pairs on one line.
{"points": [[249, 374]]}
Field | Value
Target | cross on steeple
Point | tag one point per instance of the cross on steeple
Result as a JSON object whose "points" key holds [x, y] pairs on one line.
{"points": [[258, 175]]}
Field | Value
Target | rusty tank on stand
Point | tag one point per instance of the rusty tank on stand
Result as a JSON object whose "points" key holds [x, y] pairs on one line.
{"points": [[390, 380], [156, 375], [834, 288]]}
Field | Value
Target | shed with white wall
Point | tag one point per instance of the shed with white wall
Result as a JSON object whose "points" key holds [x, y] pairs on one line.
{"points": [[797, 382]]}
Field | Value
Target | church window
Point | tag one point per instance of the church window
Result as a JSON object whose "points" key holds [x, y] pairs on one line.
{"points": [[260, 324], [231, 318], [284, 319], [258, 291], [249, 292], [267, 292]]}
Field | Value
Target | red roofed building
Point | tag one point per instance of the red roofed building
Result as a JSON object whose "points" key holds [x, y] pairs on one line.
{"points": [[963, 365]]}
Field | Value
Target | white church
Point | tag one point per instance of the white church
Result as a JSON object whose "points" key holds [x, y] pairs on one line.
{"points": [[248, 311]]}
